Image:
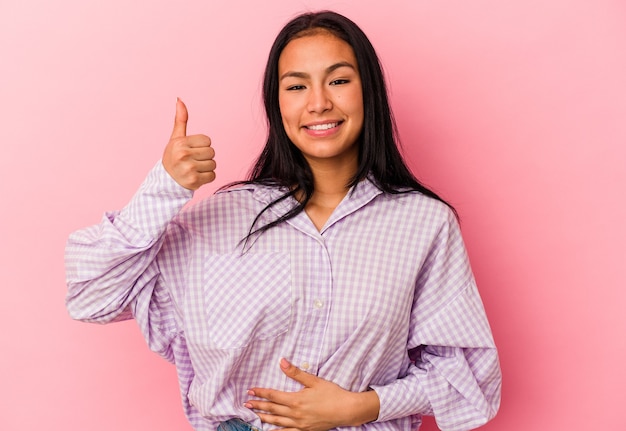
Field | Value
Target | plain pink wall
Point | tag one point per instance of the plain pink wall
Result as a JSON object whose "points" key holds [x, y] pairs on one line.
{"points": [[515, 111]]}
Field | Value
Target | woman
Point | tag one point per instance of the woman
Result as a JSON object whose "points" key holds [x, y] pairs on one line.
{"points": [[329, 290]]}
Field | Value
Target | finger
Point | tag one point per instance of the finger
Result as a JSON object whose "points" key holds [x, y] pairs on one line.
{"points": [[272, 395], [201, 154], [204, 166], [196, 180], [268, 407], [180, 120], [205, 177], [198, 141], [293, 372], [285, 423]]}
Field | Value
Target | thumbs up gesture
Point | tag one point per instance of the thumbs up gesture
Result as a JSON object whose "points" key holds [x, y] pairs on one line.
{"points": [[188, 159]]}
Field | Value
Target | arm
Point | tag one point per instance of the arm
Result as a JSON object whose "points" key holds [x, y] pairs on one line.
{"points": [[109, 264], [455, 373]]}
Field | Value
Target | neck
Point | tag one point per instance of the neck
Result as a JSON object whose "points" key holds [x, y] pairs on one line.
{"points": [[330, 182]]}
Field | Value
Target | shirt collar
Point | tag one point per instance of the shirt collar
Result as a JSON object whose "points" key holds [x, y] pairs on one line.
{"points": [[357, 197]]}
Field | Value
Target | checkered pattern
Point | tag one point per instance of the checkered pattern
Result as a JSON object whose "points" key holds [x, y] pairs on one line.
{"points": [[382, 297]]}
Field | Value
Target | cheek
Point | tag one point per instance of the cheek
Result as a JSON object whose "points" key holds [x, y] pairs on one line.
{"points": [[357, 111], [287, 122], [285, 112], [355, 103]]}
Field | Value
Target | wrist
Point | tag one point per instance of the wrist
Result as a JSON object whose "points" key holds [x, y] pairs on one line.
{"points": [[364, 408]]}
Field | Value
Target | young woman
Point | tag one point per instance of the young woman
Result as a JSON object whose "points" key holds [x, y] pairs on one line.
{"points": [[329, 290]]}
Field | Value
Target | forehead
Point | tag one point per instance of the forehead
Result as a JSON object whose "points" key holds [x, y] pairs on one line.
{"points": [[315, 50]]}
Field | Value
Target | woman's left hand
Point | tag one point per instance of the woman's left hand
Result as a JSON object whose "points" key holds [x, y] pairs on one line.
{"points": [[319, 406]]}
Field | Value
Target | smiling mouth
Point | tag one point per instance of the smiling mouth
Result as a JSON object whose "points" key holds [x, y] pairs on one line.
{"points": [[325, 126]]}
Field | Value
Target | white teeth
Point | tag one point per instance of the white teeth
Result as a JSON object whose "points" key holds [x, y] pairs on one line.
{"points": [[323, 126]]}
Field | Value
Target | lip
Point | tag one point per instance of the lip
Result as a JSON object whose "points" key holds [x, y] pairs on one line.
{"points": [[322, 132]]}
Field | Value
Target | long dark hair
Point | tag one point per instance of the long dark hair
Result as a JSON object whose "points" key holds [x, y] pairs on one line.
{"points": [[282, 164]]}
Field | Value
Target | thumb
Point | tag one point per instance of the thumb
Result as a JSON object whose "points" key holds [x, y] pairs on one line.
{"points": [[180, 120], [295, 373]]}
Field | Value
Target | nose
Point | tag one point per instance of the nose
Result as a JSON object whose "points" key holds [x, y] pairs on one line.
{"points": [[319, 101]]}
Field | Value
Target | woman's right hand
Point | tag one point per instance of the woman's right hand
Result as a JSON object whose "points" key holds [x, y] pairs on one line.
{"points": [[188, 159]]}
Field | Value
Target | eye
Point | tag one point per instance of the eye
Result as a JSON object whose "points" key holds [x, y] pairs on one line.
{"points": [[339, 81], [295, 87]]}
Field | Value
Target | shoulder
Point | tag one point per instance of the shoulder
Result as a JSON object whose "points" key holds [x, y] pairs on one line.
{"points": [[221, 200], [227, 208], [418, 205]]}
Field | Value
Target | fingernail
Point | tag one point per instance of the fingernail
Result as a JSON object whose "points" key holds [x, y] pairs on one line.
{"points": [[284, 364], [247, 405], [251, 392]]}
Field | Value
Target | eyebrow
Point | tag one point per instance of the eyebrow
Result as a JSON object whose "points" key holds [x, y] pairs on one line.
{"points": [[329, 69]]}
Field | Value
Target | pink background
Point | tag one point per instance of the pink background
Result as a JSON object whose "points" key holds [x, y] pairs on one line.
{"points": [[513, 110]]}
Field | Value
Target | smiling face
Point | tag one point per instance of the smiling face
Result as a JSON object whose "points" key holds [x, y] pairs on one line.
{"points": [[320, 98]]}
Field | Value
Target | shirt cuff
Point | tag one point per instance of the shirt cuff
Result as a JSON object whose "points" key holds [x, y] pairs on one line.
{"points": [[155, 204], [402, 398]]}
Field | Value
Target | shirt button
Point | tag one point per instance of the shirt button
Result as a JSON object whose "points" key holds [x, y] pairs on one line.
{"points": [[305, 365], [318, 303]]}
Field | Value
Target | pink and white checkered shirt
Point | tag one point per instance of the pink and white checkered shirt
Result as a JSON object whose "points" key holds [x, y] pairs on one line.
{"points": [[382, 297]]}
